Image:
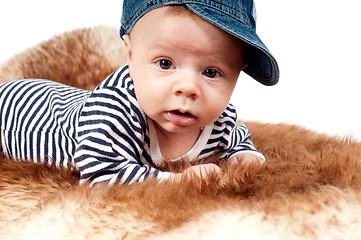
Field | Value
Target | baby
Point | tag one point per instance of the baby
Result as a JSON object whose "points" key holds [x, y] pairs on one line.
{"points": [[171, 101]]}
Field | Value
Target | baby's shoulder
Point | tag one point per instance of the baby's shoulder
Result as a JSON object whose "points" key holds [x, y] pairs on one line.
{"points": [[118, 87], [229, 114], [228, 119], [120, 78]]}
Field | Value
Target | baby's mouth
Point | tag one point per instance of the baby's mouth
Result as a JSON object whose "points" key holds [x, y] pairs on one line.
{"points": [[177, 112], [181, 118]]}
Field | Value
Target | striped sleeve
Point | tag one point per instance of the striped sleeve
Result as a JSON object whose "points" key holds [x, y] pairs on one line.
{"points": [[233, 137], [241, 142], [38, 119], [111, 134]]}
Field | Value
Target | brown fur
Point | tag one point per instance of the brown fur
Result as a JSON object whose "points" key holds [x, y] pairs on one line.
{"points": [[308, 189], [95, 53]]}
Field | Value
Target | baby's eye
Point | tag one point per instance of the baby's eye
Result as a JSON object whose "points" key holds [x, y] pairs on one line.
{"points": [[211, 73], [165, 64]]}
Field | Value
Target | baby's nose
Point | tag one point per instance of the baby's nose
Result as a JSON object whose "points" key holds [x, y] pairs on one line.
{"points": [[187, 86]]}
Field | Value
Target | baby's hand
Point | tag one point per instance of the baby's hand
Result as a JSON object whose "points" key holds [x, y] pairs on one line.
{"points": [[202, 171], [245, 159]]}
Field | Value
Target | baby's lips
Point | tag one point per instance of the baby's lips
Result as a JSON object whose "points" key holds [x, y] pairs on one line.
{"points": [[180, 118]]}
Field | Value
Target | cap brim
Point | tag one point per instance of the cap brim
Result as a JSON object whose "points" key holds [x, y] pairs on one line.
{"points": [[262, 66]]}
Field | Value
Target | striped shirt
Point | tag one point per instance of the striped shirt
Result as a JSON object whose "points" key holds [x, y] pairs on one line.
{"points": [[104, 133]]}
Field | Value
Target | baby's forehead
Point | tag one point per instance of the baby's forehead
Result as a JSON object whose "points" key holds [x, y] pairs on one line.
{"points": [[184, 38]]}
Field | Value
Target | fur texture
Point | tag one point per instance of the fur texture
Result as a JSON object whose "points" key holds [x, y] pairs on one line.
{"points": [[81, 58], [308, 189]]}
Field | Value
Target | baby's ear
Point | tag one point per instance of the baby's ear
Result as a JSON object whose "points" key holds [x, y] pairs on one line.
{"points": [[128, 48]]}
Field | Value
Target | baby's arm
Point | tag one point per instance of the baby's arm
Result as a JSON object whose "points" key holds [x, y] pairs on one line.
{"points": [[101, 158], [244, 152], [110, 137]]}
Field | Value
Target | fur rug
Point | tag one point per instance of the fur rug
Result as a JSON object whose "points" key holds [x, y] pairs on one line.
{"points": [[310, 187]]}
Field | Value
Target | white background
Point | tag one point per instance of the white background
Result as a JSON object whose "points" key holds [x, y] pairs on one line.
{"points": [[316, 43]]}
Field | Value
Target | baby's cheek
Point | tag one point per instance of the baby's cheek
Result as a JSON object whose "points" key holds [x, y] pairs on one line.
{"points": [[216, 107]]}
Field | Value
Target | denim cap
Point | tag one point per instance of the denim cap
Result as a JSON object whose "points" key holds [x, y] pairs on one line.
{"points": [[237, 17]]}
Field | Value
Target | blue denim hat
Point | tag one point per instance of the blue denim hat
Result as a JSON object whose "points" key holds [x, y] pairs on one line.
{"points": [[237, 17]]}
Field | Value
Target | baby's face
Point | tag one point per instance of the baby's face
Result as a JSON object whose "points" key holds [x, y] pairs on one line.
{"points": [[184, 69]]}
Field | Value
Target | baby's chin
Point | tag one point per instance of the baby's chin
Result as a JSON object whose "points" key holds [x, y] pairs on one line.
{"points": [[172, 128]]}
